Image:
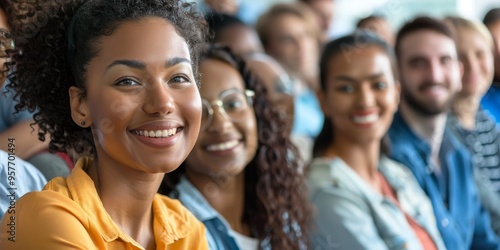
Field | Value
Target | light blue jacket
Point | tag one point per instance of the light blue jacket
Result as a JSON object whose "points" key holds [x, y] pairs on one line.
{"points": [[351, 215]]}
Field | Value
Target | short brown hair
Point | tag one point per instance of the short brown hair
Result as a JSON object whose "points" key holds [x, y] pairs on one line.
{"points": [[419, 24]]}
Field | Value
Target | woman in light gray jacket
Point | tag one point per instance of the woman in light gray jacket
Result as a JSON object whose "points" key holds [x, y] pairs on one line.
{"points": [[363, 199]]}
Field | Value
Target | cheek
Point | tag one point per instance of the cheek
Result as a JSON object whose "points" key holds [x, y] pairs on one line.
{"points": [[190, 105]]}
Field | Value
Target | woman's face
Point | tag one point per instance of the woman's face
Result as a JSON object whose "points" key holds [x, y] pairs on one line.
{"points": [[361, 95], [476, 55], [228, 139], [142, 101]]}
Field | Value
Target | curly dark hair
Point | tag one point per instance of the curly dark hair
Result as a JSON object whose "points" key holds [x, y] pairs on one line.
{"points": [[276, 206], [57, 39]]}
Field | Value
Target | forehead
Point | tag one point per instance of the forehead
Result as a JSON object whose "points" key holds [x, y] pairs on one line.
{"points": [[362, 63], [426, 44], [151, 39], [218, 76]]}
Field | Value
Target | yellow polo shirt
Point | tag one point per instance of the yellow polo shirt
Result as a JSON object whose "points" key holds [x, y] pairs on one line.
{"points": [[68, 214]]}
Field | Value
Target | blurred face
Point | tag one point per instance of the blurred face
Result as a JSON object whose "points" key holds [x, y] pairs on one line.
{"points": [[495, 32], [382, 28], [223, 6], [361, 95], [242, 40], [142, 101], [278, 84], [430, 72], [228, 139], [477, 58], [5, 43], [324, 10], [293, 45]]}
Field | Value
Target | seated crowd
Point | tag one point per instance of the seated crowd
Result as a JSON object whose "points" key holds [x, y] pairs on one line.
{"points": [[147, 124]]}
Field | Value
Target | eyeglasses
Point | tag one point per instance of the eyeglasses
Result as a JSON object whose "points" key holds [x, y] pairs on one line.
{"points": [[6, 42], [231, 104]]}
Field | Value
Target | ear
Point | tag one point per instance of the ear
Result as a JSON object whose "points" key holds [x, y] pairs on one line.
{"points": [[79, 107]]}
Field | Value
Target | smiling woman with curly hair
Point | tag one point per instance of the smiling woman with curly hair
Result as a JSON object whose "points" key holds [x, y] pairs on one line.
{"points": [[114, 80], [242, 179]]}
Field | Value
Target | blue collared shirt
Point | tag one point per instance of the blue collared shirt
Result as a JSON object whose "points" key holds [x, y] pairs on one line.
{"points": [[218, 229], [462, 221], [491, 102]]}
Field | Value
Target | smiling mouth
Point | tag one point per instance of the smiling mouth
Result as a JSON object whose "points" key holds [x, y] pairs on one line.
{"points": [[223, 146], [156, 133], [365, 119]]}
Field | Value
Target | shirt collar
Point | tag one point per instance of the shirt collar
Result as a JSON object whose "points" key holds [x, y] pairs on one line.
{"points": [[169, 226], [194, 201]]}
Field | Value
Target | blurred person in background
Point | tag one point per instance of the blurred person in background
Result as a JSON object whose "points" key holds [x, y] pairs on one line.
{"points": [[379, 25], [364, 200], [290, 34], [474, 127], [430, 74], [491, 100]]}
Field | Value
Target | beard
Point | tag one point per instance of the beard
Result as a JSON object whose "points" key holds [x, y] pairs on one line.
{"points": [[431, 108]]}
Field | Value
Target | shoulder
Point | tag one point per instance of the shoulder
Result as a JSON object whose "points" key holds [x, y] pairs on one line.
{"points": [[45, 219], [181, 225], [177, 213]]}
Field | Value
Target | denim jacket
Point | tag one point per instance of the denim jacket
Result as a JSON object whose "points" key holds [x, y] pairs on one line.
{"points": [[462, 221], [351, 215]]}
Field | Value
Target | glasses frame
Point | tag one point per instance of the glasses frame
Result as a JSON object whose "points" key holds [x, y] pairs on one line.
{"points": [[220, 104]]}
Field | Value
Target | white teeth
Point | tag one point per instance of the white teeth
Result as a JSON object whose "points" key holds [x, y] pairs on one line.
{"points": [[157, 133], [365, 119], [223, 146]]}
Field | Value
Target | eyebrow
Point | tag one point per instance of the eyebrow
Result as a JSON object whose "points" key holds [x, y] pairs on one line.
{"points": [[350, 79], [136, 64]]}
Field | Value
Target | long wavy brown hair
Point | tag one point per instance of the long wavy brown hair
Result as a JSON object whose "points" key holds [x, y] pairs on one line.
{"points": [[275, 197]]}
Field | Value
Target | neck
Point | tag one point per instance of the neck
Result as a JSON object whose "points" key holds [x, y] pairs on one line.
{"points": [[128, 206], [465, 108], [429, 127], [363, 158], [226, 195]]}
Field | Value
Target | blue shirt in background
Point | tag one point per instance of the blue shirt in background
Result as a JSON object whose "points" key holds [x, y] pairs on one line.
{"points": [[7, 116], [462, 220], [491, 102]]}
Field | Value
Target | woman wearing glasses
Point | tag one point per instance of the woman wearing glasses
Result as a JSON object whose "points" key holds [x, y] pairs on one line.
{"points": [[241, 179]]}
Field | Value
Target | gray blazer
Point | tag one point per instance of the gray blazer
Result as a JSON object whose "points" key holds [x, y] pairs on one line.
{"points": [[351, 215]]}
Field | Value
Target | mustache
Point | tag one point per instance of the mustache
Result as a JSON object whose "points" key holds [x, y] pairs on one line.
{"points": [[427, 85]]}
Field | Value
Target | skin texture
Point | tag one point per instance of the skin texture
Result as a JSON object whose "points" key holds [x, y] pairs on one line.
{"points": [[219, 174], [140, 80], [495, 32], [271, 73], [294, 46], [430, 72]]}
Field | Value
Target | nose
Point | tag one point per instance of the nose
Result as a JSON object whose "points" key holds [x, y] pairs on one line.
{"points": [[365, 97], [436, 73], [158, 100], [220, 121]]}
